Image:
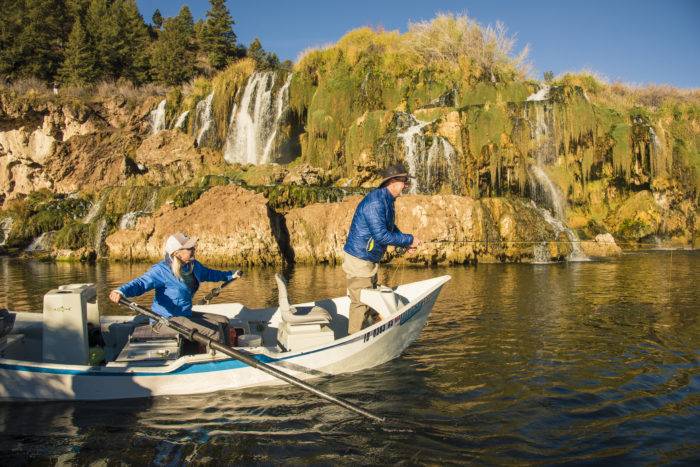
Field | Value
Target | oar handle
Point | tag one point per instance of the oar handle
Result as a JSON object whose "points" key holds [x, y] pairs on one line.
{"points": [[213, 293], [195, 336]]}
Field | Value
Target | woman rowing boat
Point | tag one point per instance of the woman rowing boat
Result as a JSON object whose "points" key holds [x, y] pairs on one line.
{"points": [[176, 280]]}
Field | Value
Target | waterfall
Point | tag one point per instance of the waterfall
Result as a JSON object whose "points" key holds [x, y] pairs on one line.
{"points": [[545, 192], [204, 117], [128, 220], [423, 154], [100, 236], [93, 212], [5, 228], [281, 103], [40, 243], [255, 120], [180, 122], [540, 253], [576, 254], [541, 95], [414, 144], [158, 118]]}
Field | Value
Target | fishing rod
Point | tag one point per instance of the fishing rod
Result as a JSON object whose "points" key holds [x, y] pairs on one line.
{"points": [[213, 293], [537, 242], [194, 336]]}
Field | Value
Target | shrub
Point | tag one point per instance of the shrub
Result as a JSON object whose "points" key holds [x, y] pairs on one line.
{"points": [[72, 236]]}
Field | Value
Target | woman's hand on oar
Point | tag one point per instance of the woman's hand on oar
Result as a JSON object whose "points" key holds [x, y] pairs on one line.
{"points": [[213, 293], [248, 359]]}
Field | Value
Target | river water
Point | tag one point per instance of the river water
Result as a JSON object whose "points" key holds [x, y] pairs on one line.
{"points": [[563, 363]]}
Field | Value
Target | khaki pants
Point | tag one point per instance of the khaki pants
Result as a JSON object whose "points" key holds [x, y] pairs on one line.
{"points": [[358, 310], [361, 274]]}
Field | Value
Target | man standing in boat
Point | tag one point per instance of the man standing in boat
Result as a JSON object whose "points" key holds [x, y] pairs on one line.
{"points": [[371, 231]]}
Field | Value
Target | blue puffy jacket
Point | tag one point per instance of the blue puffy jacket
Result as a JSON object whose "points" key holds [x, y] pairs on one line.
{"points": [[173, 297], [373, 227]]}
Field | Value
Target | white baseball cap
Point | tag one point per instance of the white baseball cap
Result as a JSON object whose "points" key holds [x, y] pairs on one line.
{"points": [[179, 241]]}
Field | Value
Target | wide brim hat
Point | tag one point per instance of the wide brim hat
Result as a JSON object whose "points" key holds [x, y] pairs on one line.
{"points": [[179, 241], [394, 171]]}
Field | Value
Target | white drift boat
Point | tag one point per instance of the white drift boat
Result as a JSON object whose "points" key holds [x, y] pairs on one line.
{"points": [[69, 352]]}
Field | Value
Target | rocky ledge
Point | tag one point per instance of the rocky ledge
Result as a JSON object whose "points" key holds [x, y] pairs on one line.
{"points": [[237, 226]]}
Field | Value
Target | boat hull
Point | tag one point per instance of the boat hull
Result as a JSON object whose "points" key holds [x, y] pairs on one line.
{"points": [[373, 346]]}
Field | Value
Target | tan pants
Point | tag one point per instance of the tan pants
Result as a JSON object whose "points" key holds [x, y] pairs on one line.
{"points": [[358, 310]]}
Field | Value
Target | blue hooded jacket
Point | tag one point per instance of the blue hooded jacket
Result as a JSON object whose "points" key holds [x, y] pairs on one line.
{"points": [[373, 228], [173, 297]]}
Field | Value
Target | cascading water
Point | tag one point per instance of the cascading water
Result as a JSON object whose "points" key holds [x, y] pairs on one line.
{"points": [[543, 191], [158, 118], [100, 236], [40, 243], [255, 120], [203, 123], [93, 212], [415, 145], [281, 103], [541, 95], [180, 122], [128, 220], [576, 253], [5, 228], [423, 154]]}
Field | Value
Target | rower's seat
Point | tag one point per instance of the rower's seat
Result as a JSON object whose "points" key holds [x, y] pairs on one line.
{"points": [[301, 327]]}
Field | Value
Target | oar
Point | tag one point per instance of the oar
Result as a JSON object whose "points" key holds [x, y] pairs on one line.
{"points": [[213, 293], [195, 336]]}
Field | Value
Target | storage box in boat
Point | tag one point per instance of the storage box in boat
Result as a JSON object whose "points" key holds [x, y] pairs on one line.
{"points": [[299, 337], [67, 311]]}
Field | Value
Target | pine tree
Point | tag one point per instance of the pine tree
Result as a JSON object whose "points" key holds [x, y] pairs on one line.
{"points": [[100, 27], [263, 59], [31, 36], [10, 29], [79, 65], [256, 52], [157, 19], [132, 48], [219, 38], [173, 55]]}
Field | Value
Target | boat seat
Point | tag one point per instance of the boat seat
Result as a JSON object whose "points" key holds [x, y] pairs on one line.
{"points": [[147, 332], [306, 315]]}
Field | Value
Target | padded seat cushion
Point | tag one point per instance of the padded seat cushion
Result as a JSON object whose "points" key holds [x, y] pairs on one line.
{"points": [[146, 332], [306, 315]]}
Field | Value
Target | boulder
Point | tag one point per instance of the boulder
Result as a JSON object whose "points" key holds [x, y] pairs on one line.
{"points": [[602, 245], [233, 226], [168, 157]]}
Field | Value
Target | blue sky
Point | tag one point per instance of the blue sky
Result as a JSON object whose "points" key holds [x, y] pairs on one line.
{"points": [[640, 41]]}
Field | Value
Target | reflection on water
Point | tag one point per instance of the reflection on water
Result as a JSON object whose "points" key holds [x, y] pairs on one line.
{"points": [[578, 362]]}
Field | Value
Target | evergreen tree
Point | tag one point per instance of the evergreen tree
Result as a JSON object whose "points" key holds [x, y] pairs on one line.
{"points": [[157, 19], [132, 51], [173, 57], [99, 25], [256, 51], [219, 38], [79, 65], [10, 29], [31, 36], [121, 39], [263, 59]]}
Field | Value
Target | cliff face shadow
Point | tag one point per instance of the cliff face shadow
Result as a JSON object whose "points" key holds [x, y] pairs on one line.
{"points": [[278, 224]]}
